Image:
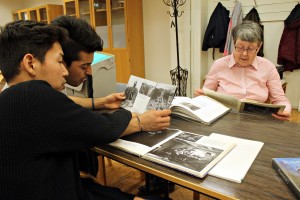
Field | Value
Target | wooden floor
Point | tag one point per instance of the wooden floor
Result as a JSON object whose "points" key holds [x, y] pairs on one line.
{"points": [[295, 116]]}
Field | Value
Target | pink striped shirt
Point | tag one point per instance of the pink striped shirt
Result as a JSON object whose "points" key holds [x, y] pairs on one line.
{"points": [[258, 82]]}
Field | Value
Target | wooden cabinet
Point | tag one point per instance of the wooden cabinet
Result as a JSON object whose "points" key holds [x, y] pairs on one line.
{"points": [[20, 15], [45, 13], [120, 24]]}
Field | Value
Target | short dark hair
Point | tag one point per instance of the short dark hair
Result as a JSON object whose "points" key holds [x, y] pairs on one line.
{"points": [[25, 36], [82, 37]]}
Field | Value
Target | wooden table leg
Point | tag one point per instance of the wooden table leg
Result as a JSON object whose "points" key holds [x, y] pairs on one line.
{"points": [[196, 196], [101, 176]]}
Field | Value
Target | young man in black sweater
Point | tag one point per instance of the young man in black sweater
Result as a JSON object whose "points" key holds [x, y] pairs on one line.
{"points": [[41, 129]]}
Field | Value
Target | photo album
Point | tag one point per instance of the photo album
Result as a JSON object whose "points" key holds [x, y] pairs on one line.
{"points": [[245, 106], [201, 109], [188, 152], [142, 94]]}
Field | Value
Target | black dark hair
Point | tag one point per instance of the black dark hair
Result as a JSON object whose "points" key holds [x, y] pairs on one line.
{"points": [[22, 37], [82, 37]]}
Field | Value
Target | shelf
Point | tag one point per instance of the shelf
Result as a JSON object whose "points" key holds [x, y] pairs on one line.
{"points": [[117, 9], [113, 9], [85, 13], [100, 10]]}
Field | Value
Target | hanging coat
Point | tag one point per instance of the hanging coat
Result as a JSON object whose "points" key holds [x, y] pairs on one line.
{"points": [[236, 18], [294, 15], [253, 16], [289, 46], [215, 34]]}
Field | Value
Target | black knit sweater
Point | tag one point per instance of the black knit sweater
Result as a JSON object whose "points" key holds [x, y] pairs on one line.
{"points": [[41, 131]]}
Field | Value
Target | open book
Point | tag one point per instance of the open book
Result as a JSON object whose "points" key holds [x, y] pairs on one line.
{"points": [[246, 106], [188, 152], [142, 94], [199, 109]]}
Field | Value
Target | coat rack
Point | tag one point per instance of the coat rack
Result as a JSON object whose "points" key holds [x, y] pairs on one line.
{"points": [[178, 75]]}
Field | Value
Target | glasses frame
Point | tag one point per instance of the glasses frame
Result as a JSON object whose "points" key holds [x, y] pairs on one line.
{"points": [[242, 49]]}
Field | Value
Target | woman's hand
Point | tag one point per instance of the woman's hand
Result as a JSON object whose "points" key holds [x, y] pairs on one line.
{"points": [[198, 92], [282, 115]]}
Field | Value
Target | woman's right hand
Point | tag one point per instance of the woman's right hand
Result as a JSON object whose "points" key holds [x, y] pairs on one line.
{"points": [[198, 92]]}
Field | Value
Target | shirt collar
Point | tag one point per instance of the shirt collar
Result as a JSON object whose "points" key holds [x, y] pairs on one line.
{"points": [[232, 62]]}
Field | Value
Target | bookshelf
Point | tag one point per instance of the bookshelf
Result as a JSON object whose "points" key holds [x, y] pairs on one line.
{"points": [[120, 24], [45, 13]]}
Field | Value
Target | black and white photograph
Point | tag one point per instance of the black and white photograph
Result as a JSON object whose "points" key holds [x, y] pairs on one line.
{"points": [[160, 99], [142, 94], [130, 94], [146, 89], [250, 108], [150, 138], [192, 137], [184, 153], [191, 106]]}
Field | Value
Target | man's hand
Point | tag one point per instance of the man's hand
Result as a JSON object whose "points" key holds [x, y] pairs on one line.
{"points": [[154, 120], [111, 101], [282, 116], [151, 120], [198, 92]]}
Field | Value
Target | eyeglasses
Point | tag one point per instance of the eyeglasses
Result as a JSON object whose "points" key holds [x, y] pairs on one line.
{"points": [[242, 49]]}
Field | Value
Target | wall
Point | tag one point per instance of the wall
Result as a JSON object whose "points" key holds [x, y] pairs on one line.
{"points": [[157, 41], [6, 8]]}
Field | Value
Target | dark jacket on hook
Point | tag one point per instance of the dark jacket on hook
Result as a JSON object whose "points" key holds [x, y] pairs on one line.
{"points": [[294, 15], [216, 31], [253, 16], [289, 46]]}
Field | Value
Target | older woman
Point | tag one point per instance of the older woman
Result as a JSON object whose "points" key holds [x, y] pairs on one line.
{"points": [[245, 75]]}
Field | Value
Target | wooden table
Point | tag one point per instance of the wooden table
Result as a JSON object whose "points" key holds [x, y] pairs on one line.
{"points": [[281, 139]]}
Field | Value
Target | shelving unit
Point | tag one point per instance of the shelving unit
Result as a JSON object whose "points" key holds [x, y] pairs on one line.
{"points": [[120, 25], [45, 13], [20, 14]]}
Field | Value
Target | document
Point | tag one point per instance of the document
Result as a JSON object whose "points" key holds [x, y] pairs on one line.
{"points": [[238, 161]]}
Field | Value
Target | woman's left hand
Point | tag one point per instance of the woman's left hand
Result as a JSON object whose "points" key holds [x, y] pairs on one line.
{"points": [[282, 115]]}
